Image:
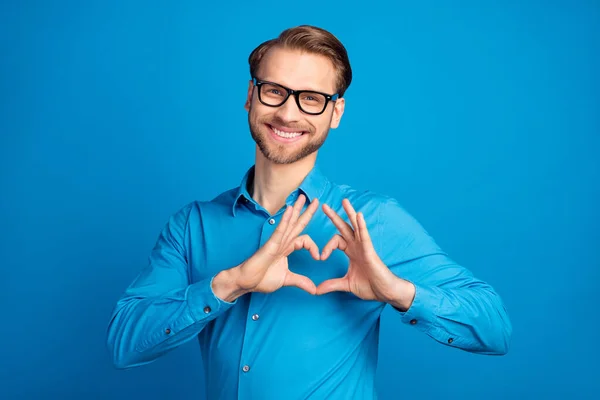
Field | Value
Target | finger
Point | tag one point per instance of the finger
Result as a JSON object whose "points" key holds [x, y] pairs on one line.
{"points": [[333, 285], [279, 232], [298, 205], [306, 242], [305, 218], [336, 242], [300, 281], [340, 224], [352, 216], [294, 217], [365, 237]]}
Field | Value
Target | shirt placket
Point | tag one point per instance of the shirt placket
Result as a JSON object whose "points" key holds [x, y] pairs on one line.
{"points": [[254, 321]]}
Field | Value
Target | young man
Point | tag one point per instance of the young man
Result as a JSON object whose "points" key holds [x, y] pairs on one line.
{"points": [[283, 279]]}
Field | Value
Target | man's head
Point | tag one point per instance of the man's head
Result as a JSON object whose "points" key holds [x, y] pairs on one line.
{"points": [[302, 58]]}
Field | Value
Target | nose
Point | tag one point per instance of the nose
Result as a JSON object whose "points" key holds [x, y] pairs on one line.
{"points": [[289, 111]]}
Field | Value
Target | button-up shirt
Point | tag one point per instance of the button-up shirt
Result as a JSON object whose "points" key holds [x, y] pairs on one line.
{"points": [[290, 344]]}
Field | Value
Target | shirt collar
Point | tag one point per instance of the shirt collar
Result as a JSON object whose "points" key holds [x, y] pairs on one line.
{"points": [[312, 187]]}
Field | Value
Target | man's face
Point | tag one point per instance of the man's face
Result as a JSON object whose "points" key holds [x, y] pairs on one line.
{"points": [[298, 71]]}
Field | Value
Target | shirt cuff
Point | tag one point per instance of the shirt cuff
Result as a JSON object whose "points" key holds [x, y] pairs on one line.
{"points": [[422, 313], [203, 301]]}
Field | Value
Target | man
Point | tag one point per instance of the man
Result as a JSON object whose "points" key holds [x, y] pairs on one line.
{"points": [[283, 279]]}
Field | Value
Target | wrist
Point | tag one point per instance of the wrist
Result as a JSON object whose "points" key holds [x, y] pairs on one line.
{"points": [[225, 285], [403, 295]]}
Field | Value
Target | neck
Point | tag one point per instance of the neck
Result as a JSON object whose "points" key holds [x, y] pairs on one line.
{"points": [[273, 183]]}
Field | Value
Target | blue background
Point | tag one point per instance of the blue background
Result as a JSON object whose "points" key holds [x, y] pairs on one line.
{"points": [[482, 119]]}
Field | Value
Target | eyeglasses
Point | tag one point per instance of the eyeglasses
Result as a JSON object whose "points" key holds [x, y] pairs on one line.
{"points": [[275, 95]]}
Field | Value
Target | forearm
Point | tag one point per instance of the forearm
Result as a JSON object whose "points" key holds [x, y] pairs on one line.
{"points": [[470, 318], [449, 303], [145, 327]]}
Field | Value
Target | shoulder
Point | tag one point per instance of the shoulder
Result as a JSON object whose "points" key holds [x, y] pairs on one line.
{"points": [[369, 202], [387, 219], [198, 209]]}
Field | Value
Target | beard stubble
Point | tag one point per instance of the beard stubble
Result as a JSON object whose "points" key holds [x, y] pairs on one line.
{"points": [[278, 153]]}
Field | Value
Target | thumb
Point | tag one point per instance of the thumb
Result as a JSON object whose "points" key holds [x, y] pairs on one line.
{"points": [[300, 281], [333, 285]]}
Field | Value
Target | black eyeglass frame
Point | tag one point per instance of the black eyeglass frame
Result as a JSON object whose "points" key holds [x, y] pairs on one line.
{"points": [[296, 93]]}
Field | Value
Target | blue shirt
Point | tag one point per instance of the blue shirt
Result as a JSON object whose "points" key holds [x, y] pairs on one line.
{"points": [[290, 344]]}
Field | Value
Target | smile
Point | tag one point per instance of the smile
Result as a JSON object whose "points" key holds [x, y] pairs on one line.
{"points": [[287, 136]]}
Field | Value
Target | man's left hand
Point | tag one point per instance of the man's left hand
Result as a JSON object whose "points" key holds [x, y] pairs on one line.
{"points": [[368, 277]]}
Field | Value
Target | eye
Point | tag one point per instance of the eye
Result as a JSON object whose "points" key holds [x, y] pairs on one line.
{"points": [[313, 98]]}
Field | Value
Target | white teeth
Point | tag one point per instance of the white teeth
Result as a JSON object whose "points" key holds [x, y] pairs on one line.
{"points": [[287, 135]]}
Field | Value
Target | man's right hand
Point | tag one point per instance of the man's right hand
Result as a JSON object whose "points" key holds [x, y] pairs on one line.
{"points": [[267, 270]]}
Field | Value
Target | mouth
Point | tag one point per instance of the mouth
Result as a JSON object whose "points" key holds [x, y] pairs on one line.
{"points": [[285, 135]]}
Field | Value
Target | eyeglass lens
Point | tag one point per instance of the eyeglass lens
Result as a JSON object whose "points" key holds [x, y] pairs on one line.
{"points": [[275, 95]]}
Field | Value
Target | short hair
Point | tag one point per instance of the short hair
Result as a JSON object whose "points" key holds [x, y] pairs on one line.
{"points": [[312, 40]]}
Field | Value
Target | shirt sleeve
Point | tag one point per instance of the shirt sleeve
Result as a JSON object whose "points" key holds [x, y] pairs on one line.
{"points": [[451, 305], [161, 310]]}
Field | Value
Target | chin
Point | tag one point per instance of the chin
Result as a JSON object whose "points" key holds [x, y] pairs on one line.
{"points": [[282, 154], [281, 157]]}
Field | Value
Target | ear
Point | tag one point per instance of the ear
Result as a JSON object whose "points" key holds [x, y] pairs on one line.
{"points": [[338, 111], [249, 95]]}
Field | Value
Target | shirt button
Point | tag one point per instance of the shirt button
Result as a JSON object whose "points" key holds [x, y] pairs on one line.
{"points": [[255, 317], [245, 368], [207, 309], [167, 331], [413, 321], [450, 340], [271, 221]]}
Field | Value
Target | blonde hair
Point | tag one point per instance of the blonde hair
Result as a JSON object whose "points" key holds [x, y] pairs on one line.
{"points": [[312, 40]]}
